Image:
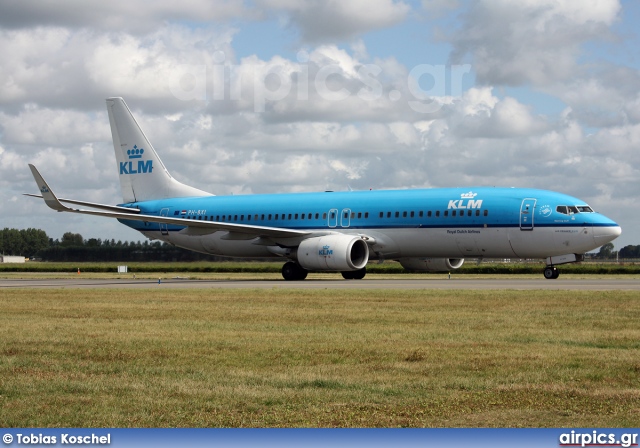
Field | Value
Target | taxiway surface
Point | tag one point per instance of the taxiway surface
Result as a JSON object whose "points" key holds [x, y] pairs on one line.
{"points": [[615, 284]]}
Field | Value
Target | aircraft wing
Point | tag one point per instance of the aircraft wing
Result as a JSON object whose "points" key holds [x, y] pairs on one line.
{"points": [[192, 227]]}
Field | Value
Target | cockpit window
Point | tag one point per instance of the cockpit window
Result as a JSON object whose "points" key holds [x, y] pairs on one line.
{"points": [[572, 209], [584, 209]]}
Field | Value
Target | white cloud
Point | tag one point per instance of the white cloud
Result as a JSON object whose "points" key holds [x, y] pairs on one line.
{"points": [[117, 15], [483, 115], [335, 20], [532, 41]]}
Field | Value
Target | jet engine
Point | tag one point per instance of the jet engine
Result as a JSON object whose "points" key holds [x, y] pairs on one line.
{"points": [[336, 252], [431, 264]]}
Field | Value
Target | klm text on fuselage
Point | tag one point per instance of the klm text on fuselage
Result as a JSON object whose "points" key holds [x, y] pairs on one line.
{"points": [[456, 204]]}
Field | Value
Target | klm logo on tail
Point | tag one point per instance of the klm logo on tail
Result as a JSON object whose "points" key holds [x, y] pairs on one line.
{"points": [[141, 167]]}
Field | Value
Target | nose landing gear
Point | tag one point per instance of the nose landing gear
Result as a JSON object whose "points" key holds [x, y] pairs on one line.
{"points": [[551, 273]]}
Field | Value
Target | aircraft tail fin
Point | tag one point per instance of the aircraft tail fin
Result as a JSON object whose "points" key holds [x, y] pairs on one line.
{"points": [[143, 176]]}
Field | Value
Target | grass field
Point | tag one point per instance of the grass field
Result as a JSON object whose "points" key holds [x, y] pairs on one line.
{"points": [[470, 267], [268, 358]]}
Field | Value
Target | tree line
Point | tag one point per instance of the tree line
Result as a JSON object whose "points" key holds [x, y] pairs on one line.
{"points": [[34, 243]]}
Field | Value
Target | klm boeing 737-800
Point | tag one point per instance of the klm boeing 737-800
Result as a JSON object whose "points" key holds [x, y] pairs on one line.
{"points": [[425, 230]]}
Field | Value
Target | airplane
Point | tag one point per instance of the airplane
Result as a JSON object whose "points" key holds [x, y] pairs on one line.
{"points": [[426, 230]]}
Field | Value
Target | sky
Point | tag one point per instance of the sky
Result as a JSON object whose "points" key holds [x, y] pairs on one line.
{"points": [[268, 96]]}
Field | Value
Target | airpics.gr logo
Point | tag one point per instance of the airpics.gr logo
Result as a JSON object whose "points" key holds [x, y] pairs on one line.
{"points": [[325, 251], [470, 201], [141, 167]]}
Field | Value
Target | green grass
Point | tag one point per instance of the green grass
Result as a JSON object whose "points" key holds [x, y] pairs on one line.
{"points": [[274, 267], [270, 358]]}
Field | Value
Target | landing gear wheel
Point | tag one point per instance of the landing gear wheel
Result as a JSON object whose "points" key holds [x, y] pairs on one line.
{"points": [[551, 273], [293, 271], [354, 275]]}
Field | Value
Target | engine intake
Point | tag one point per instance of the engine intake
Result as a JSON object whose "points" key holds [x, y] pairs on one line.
{"points": [[431, 264], [333, 253]]}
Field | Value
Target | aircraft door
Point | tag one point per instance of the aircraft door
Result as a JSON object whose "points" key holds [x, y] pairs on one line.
{"points": [[526, 214], [163, 227], [345, 217], [332, 218]]}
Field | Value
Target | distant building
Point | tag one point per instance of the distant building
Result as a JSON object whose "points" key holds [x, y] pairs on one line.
{"points": [[11, 259]]}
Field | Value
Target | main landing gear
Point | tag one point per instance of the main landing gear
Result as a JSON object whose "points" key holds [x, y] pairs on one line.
{"points": [[293, 271], [551, 273], [355, 275]]}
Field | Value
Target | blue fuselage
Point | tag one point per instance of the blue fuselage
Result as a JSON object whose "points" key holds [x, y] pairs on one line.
{"points": [[451, 222]]}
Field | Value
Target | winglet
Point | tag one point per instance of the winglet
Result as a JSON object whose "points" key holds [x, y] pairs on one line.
{"points": [[49, 198]]}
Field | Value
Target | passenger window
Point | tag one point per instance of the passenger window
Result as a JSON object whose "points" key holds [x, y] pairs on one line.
{"points": [[317, 215], [469, 213], [477, 212], [397, 214], [353, 215], [429, 214], [388, 214], [382, 214], [324, 215], [359, 215], [289, 215], [296, 216], [453, 213], [486, 212], [269, 216], [366, 215], [404, 214], [446, 213], [437, 213]]}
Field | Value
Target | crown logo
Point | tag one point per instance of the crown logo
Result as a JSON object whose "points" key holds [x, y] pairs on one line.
{"points": [[135, 153], [44, 189], [469, 195], [326, 247]]}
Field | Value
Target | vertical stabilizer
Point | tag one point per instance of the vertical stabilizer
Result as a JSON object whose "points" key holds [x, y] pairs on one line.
{"points": [[143, 176]]}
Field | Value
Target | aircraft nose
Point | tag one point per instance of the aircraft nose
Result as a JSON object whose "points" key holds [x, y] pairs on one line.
{"points": [[602, 235]]}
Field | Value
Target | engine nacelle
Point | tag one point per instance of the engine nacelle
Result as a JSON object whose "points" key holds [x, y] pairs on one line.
{"points": [[333, 253], [431, 264]]}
